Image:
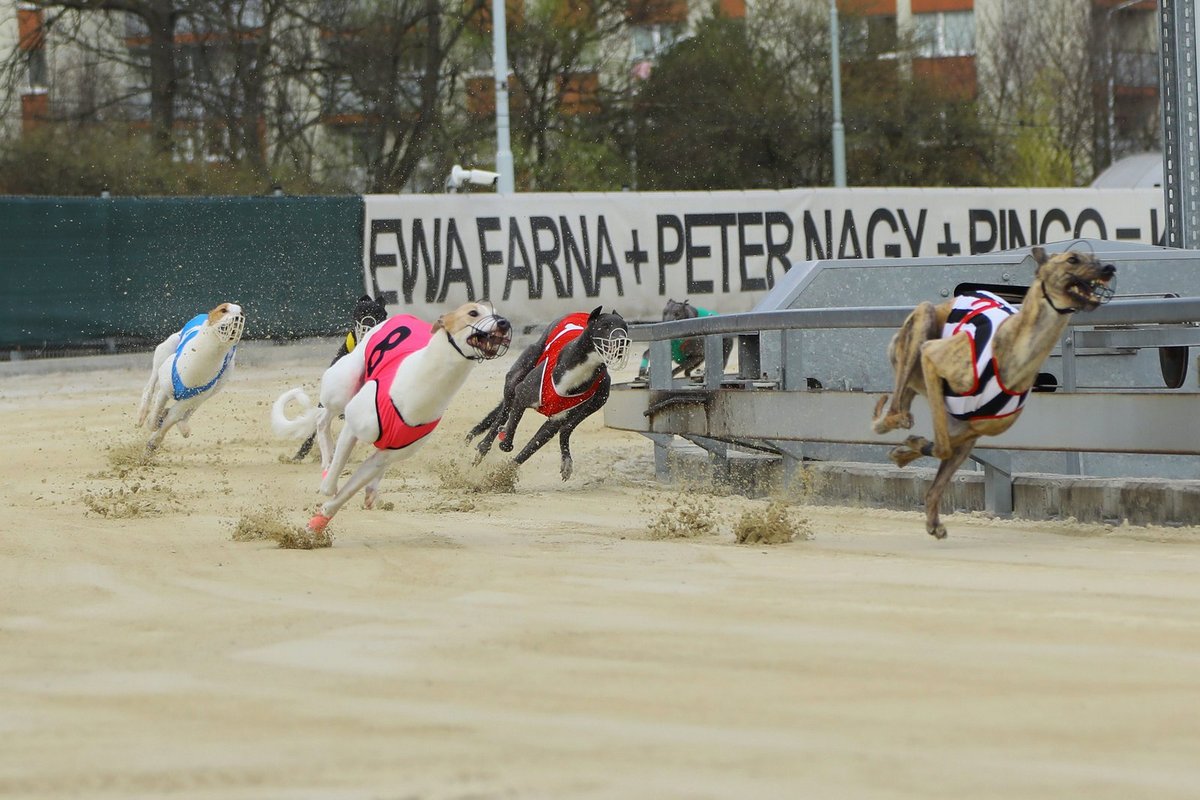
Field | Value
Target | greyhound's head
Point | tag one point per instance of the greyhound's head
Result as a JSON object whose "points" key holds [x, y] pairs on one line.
{"points": [[675, 310], [610, 337], [1073, 280], [227, 321], [476, 331], [368, 312]]}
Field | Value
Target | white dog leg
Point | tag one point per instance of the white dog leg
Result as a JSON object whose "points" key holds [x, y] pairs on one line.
{"points": [[370, 472], [161, 353], [341, 455], [325, 436], [371, 493]]}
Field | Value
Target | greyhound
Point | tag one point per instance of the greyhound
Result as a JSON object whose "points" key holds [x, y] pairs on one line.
{"points": [[564, 376], [393, 390], [368, 312], [975, 358], [190, 366], [686, 353]]}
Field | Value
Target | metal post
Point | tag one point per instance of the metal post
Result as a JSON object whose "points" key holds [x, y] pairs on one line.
{"points": [[839, 137], [1181, 121], [504, 157]]}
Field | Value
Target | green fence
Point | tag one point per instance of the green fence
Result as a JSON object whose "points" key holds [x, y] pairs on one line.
{"points": [[74, 271]]}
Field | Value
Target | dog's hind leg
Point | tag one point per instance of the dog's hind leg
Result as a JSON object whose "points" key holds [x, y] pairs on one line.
{"points": [[341, 454], [161, 353], [305, 448], [905, 354], [324, 436], [489, 426]]}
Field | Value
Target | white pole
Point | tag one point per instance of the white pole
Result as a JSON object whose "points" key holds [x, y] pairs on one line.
{"points": [[504, 158], [839, 136]]}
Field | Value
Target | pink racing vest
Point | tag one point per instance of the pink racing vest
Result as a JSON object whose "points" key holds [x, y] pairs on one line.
{"points": [[398, 338], [566, 331]]}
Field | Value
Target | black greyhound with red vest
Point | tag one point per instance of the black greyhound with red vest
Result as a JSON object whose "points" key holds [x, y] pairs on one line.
{"points": [[564, 376]]}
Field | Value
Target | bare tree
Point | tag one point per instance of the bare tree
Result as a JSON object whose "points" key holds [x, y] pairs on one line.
{"points": [[1038, 77]]}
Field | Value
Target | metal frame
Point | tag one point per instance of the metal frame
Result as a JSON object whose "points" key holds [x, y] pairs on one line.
{"points": [[743, 409]]}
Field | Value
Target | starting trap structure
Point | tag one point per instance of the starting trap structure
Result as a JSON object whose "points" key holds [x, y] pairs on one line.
{"points": [[1115, 399]]}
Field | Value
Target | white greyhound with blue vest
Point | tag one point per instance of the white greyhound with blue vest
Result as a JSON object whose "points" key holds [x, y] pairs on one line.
{"points": [[393, 390], [190, 366]]}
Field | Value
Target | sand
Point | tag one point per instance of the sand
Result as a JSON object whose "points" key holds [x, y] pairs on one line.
{"points": [[560, 640]]}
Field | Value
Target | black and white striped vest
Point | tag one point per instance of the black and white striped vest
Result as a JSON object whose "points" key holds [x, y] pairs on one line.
{"points": [[978, 314]]}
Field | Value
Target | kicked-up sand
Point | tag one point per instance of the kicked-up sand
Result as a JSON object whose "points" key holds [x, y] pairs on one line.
{"points": [[485, 634]]}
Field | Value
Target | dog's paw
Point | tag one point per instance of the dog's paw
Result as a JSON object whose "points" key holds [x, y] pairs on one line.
{"points": [[567, 467], [505, 446], [318, 523], [937, 531], [369, 498], [185, 430]]}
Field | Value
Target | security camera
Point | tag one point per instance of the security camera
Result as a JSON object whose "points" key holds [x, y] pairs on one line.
{"points": [[478, 177]]}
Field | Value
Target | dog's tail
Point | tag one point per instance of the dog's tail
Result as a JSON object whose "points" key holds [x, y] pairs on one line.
{"points": [[302, 425]]}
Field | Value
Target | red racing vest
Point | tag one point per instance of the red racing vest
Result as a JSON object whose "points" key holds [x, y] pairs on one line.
{"points": [[566, 331], [398, 338]]}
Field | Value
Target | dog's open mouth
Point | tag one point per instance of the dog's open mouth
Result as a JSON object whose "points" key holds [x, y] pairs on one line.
{"points": [[1094, 293], [490, 344]]}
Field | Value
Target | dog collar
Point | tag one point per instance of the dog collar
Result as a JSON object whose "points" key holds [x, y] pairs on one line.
{"points": [[1046, 295], [454, 344]]}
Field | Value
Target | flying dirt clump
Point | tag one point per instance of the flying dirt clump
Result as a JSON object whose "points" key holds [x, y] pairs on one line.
{"points": [[773, 525], [266, 524], [686, 516], [131, 500], [501, 479]]}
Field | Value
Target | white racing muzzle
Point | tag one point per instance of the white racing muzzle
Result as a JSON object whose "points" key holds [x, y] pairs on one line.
{"points": [[362, 326], [614, 348], [490, 337], [229, 330]]}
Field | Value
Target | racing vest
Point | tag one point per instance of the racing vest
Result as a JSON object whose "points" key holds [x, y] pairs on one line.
{"points": [[978, 315], [566, 331], [189, 332], [400, 337]]}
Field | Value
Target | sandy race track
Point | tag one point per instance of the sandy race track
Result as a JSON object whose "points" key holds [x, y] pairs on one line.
{"points": [[550, 642]]}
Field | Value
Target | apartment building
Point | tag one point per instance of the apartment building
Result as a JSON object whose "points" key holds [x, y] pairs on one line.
{"points": [[217, 114]]}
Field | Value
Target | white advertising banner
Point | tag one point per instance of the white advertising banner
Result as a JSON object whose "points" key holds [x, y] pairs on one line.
{"points": [[537, 256]]}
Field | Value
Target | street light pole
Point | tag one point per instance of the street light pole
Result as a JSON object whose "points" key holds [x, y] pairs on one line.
{"points": [[839, 136], [504, 157], [1111, 118]]}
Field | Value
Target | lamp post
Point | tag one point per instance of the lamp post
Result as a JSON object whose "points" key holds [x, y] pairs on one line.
{"points": [[504, 157], [1112, 78], [839, 135]]}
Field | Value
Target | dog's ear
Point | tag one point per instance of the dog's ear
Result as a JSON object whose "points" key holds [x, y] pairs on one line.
{"points": [[366, 298], [1039, 255], [437, 325], [595, 313]]}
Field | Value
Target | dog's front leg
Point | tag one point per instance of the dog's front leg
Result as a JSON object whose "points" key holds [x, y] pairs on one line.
{"points": [[370, 472], [543, 435]]}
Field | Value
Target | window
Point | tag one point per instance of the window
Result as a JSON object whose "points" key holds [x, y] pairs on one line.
{"points": [[652, 40], [945, 33]]}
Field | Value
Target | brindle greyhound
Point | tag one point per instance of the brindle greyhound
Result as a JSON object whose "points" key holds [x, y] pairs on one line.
{"points": [[564, 376], [686, 353], [975, 359]]}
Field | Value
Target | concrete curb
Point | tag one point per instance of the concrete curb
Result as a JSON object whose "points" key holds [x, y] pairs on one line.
{"points": [[1138, 501]]}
